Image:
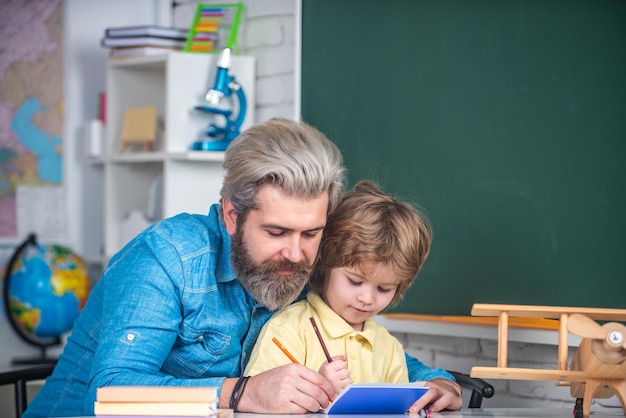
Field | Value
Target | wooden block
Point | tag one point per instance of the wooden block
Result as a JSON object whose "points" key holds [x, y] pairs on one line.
{"points": [[139, 127], [553, 312], [533, 323], [527, 374]]}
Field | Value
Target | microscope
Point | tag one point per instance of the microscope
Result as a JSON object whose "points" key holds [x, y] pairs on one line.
{"points": [[219, 137]]}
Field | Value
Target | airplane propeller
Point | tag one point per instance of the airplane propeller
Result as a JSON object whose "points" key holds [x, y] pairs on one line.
{"points": [[610, 339]]}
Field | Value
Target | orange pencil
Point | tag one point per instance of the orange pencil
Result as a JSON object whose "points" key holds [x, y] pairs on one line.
{"points": [[284, 350]]}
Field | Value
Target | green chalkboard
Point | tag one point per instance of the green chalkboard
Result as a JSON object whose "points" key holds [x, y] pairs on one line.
{"points": [[505, 120]]}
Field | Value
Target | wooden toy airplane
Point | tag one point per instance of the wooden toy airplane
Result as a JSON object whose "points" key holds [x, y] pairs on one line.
{"points": [[598, 368]]}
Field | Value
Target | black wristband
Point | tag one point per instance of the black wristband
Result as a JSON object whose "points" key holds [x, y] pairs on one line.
{"points": [[233, 395], [240, 392], [237, 391]]}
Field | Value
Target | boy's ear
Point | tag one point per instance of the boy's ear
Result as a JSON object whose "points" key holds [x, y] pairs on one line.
{"points": [[230, 216]]}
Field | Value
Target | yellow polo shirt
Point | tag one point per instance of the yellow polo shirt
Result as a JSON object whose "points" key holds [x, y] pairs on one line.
{"points": [[374, 355]]}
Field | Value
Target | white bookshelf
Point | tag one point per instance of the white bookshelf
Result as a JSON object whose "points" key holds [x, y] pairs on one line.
{"points": [[191, 180]]}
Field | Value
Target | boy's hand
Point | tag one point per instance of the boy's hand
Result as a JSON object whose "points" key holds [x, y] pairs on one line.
{"points": [[336, 373], [443, 394]]}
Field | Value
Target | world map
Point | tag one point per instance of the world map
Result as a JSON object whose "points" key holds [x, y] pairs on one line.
{"points": [[31, 100]]}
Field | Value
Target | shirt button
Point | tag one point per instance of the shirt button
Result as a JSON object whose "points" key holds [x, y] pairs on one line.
{"points": [[201, 337], [353, 356], [130, 337]]}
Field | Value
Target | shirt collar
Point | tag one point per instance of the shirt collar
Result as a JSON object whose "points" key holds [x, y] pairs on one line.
{"points": [[336, 326], [224, 268]]}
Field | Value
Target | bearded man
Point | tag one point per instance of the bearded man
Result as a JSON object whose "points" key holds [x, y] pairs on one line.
{"points": [[183, 302]]}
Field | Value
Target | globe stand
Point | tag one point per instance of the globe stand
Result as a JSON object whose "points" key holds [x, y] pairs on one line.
{"points": [[35, 361], [42, 344]]}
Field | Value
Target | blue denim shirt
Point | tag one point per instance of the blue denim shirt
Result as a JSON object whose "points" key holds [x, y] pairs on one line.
{"points": [[168, 310]]}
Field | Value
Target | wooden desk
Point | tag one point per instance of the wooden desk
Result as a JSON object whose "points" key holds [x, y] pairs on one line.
{"points": [[485, 412]]}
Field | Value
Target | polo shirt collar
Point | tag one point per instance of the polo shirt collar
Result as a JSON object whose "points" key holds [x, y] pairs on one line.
{"points": [[336, 326]]}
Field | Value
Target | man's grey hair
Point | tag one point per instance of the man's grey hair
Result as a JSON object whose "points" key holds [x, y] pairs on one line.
{"points": [[292, 155]]}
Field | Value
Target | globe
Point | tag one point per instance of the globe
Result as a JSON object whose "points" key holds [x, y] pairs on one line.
{"points": [[44, 289]]}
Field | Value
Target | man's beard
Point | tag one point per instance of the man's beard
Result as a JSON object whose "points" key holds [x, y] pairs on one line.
{"points": [[265, 284]]}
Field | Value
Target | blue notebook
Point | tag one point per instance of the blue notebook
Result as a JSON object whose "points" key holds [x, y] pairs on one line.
{"points": [[376, 398]]}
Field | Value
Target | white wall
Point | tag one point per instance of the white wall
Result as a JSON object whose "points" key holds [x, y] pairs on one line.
{"points": [[84, 78], [84, 63], [267, 32]]}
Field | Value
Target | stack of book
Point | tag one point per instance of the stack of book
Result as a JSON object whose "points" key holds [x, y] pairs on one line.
{"points": [[116, 401], [127, 41]]}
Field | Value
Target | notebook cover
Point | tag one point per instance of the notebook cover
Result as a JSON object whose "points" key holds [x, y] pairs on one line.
{"points": [[376, 398]]}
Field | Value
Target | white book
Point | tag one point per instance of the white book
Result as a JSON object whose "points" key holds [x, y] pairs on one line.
{"points": [[141, 41], [187, 409], [146, 30]]}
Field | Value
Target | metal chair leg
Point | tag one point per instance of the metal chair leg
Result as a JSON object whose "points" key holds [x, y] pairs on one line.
{"points": [[20, 397]]}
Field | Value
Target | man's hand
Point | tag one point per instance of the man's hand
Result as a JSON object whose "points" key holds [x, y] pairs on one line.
{"points": [[443, 394], [337, 373], [288, 389]]}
